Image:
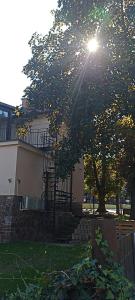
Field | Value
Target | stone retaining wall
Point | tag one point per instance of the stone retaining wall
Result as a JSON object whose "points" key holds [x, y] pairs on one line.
{"points": [[32, 225], [16, 224], [6, 204]]}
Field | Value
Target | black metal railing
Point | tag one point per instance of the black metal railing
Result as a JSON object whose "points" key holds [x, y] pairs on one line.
{"points": [[39, 138], [62, 200]]}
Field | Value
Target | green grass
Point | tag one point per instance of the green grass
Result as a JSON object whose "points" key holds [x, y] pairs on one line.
{"points": [[108, 206], [23, 261]]}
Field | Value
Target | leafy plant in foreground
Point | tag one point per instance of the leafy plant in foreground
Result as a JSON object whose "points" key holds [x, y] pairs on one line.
{"points": [[86, 280]]}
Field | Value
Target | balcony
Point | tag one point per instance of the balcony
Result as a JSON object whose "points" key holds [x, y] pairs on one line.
{"points": [[39, 139]]}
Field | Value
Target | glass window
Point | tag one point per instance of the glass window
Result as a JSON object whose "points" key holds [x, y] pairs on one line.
{"points": [[31, 203], [3, 113]]}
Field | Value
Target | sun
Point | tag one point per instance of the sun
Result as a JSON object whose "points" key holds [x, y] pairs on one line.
{"points": [[92, 45]]}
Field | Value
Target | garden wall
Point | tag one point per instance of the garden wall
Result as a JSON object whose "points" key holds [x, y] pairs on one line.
{"points": [[6, 203], [32, 225]]}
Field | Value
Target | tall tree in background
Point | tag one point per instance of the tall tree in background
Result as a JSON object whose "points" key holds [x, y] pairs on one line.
{"points": [[76, 86], [115, 185], [126, 128], [101, 171]]}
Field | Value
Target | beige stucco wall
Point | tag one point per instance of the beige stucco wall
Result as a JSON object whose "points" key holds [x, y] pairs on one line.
{"points": [[21, 168], [29, 171], [8, 157], [78, 182], [40, 123]]}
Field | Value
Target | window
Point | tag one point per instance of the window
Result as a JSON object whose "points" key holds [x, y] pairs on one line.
{"points": [[3, 113], [31, 203]]}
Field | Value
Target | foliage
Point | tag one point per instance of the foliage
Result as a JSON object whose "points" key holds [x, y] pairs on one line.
{"points": [[126, 128], [123, 218], [86, 280], [102, 175], [114, 184], [71, 85], [105, 145]]}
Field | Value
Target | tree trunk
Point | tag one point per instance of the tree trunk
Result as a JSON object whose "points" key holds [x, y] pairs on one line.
{"points": [[100, 186], [117, 205], [101, 208], [132, 213], [101, 205]]}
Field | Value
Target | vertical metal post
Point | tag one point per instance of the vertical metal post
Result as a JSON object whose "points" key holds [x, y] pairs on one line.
{"points": [[93, 205], [37, 138], [46, 204], [54, 206], [54, 201], [71, 186]]}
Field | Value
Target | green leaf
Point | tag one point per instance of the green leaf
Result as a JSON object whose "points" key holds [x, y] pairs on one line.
{"points": [[109, 295]]}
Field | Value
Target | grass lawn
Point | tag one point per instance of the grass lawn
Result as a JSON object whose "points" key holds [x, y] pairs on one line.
{"points": [[20, 262], [108, 206]]}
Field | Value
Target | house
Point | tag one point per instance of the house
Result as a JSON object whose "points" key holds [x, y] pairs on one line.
{"points": [[32, 199]]}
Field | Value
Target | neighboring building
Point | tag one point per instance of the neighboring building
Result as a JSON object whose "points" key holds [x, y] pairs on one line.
{"points": [[29, 189]]}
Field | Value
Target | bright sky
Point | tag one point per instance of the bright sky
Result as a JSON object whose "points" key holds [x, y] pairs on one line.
{"points": [[19, 19]]}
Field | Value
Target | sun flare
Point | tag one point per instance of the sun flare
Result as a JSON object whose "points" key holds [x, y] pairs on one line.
{"points": [[92, 45]]}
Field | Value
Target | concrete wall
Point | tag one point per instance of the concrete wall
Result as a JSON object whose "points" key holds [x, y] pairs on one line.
{"points": [[8, 158]]}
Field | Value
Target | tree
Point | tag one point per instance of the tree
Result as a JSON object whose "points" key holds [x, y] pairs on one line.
{"points": [[126, 128], [58, 59], [101, 162], [114, 184], [74, 86]]}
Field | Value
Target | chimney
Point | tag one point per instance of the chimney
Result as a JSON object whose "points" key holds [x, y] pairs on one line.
{"points": [[25, 103]]}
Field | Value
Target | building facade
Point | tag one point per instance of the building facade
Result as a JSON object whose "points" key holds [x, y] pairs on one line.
{"points": [[28, 183]]}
